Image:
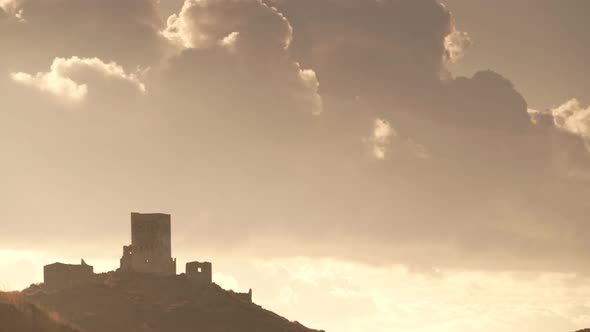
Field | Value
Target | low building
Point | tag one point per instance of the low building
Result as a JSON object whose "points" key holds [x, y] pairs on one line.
{"points": [[59, 275]]}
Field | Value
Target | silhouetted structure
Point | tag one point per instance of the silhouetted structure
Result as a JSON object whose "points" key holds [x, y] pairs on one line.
{"points": [[201, 273], [150, 253], [59, 275], [150, 250], [246, 297]]}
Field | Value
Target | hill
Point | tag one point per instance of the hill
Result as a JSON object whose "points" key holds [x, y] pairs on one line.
{"points": [[130, 302], [17, 314]]}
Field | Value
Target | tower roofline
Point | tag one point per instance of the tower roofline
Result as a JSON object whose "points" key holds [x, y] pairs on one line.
{"points": [[151, 214]]}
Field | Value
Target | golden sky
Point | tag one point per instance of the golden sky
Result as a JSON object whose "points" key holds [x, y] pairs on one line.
{"points": [[363, 165]]}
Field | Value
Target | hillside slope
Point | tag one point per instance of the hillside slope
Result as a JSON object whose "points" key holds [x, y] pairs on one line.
{"points": [[17, 314], [133, 303]]}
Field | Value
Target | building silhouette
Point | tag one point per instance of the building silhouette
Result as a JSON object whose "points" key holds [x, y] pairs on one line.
{"points": [[59, 275], [150, 250], [149, 253]]}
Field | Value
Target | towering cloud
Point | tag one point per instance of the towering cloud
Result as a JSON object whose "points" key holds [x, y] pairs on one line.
{"points": [[258, 119], [240, 49], [205, 23], [370, 47]]}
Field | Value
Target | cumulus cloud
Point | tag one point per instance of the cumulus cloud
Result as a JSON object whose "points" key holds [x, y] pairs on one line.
{"points": [[7, 5], [126, 34], [53, 83], [456, 44], [9, 9], [310, 85], [572, 117], [58, 81], [381, 138], [230, 40], [356, 46], [229, 115], [249, 36], [204, 23]]}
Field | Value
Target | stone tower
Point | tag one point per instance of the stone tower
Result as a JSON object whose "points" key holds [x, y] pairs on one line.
{"points": [[150, 250]]}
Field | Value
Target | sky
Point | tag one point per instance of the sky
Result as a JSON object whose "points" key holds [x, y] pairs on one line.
{"points": [[389, 166]]}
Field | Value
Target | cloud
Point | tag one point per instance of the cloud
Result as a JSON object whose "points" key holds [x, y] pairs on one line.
{"points": [[357, 46], [58, 80], [251, 136], [128, 35], [381, 138], [8, 10], [52, 83], [456, 44], [310, 85], [229, 122], [230, 40], [7, 5], [393, 298], [249, 36], [204, 23], [573, 118]]}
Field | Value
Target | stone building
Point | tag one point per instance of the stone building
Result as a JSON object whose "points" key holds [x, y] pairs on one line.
{"points": [[150, 250], [59, 275], [201, 273]]}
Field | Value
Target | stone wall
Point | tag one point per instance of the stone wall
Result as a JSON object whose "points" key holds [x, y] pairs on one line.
{"points": [[59, 275]]}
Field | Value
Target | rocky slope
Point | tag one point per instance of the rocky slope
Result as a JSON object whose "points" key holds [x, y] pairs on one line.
{"points": [[118, 302], [17, 314]]}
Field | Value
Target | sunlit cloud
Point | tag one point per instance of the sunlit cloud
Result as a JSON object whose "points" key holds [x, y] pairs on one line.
{"points": [[573, 118], [380, 140], [9, 8], [310, 84], [58, 80], [230, 40], [53, 83], [570, 117], [456, 44], [203, 23]]}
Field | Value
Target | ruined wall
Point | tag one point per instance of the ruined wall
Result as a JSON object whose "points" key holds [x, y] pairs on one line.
{"points": [[246, 297], [201, 273], [59, 275], [150, 250]]}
